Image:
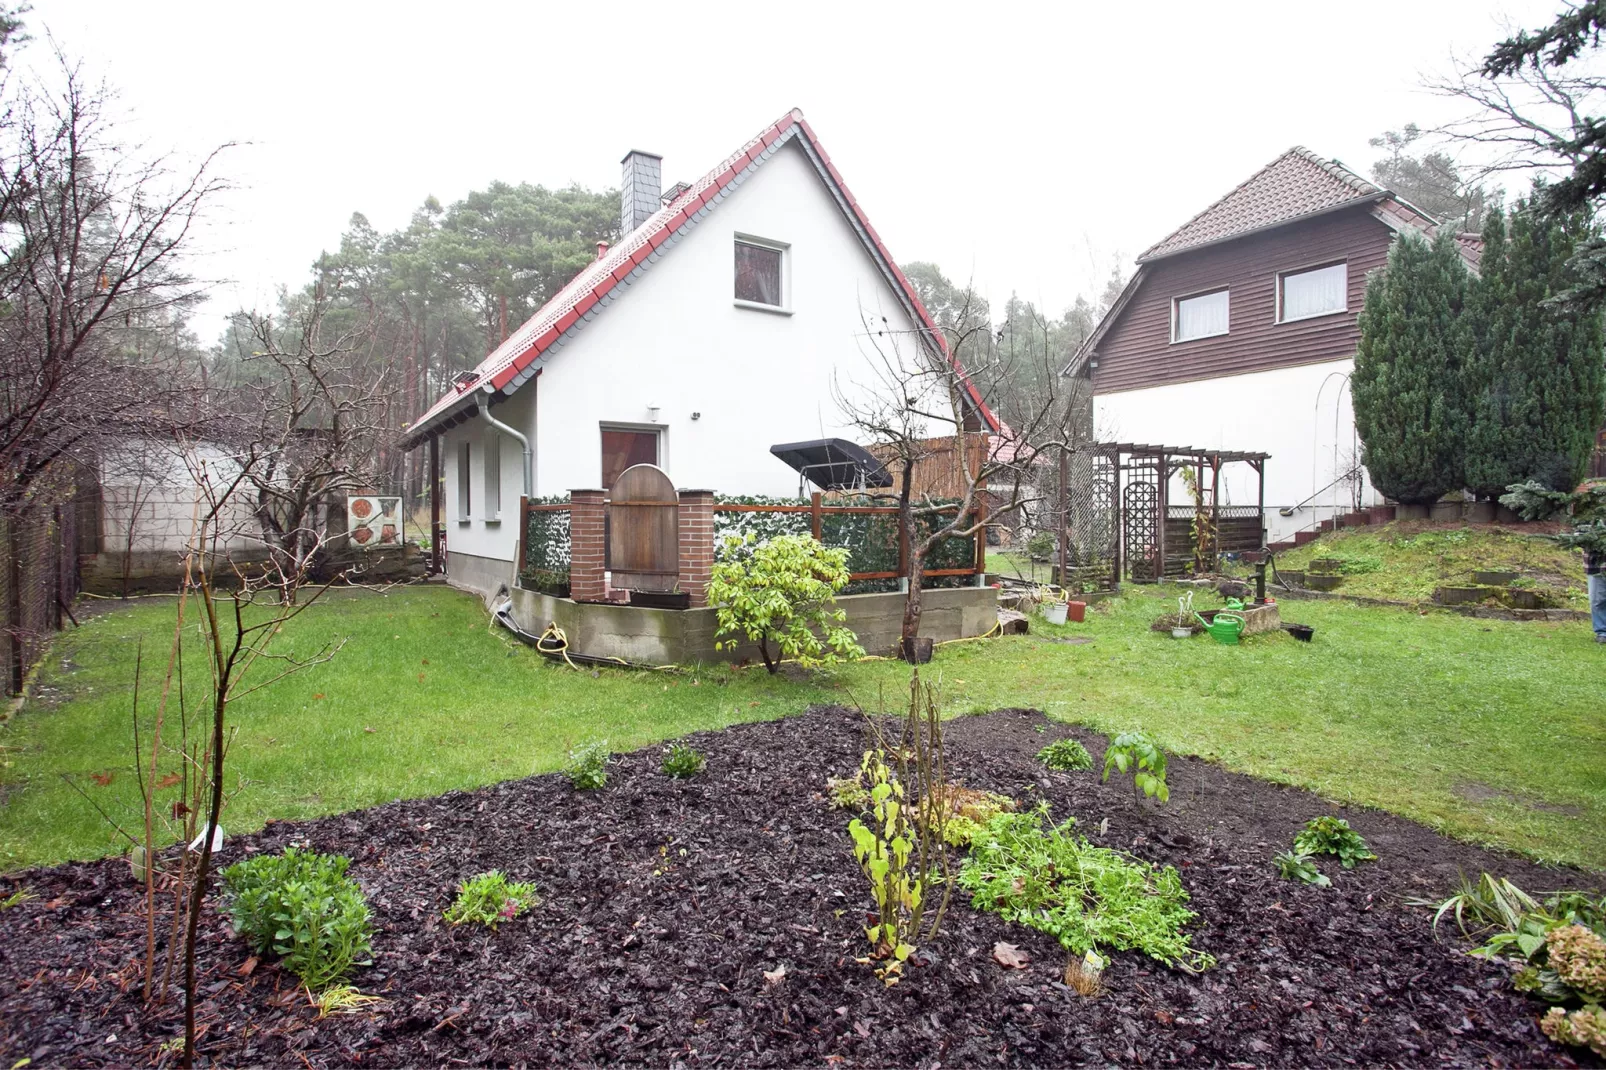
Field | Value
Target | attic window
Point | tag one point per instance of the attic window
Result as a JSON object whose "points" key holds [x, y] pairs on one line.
{"points": [[1317, 292], [758, 272], [1199, 316]]}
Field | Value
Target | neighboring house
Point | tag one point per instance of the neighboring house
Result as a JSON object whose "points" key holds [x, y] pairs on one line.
{"points": [[1238, 332], [723, 323]]}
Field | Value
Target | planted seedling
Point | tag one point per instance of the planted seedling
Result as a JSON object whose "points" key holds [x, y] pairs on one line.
{"points": [[1297, 866], [1332, 836], [587, 765], [1066, 755], [848, 792], [682, 761], [1136, 752], [491, 899]]}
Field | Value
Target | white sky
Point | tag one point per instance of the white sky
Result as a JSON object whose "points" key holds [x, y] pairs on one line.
{"points": [[1021, 145]]}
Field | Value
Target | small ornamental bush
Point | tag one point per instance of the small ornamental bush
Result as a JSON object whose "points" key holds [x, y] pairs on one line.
{"points": [[1141, 755], [587, 765], [1585, 1027], [1332, 836], [848, 792], [301, 906], [682, 761], [782, 596], [1066, 755], [491, 899], [1040, 546], [969, 811]]}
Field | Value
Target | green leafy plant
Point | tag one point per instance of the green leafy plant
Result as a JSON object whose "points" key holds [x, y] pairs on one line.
{"points": [[969, 811], [1585, 1027], [301, 906], [1040, 546], [587, 765], [681, 761], [491, 899], [1297, 866], [849, 792], [902, 848], [1065, 754], [1086, 897], [338, 999], [782, 596], [16, 898], [1332, 836], [1136, 752]]}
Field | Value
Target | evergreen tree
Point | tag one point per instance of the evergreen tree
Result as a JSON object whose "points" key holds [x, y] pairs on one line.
{"points": [[1407, 385], [1535, 380]]}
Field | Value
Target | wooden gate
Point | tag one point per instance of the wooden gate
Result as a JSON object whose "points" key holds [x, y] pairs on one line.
{"points": [[644, 530]]}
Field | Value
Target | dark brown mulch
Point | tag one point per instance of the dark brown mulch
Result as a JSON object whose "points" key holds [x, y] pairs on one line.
{"points": [[666, 901]]}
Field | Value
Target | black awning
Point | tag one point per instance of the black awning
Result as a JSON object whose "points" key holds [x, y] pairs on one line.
{"points": [[834, 464]]}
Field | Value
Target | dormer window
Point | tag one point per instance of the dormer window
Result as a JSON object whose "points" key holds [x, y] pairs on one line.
{"points": [[760, 273], [1198, 316], [1312, 292]]}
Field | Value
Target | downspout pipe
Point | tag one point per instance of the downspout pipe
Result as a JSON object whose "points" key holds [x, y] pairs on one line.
{"points": [[481, 399]]}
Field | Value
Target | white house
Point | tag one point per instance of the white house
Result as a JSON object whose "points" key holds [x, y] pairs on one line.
{"points": [[719, 326], [1238, 332]]}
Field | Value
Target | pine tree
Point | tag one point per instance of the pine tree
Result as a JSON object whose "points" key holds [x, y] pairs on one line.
{"points": [[1407, 390], [1536, 379]]}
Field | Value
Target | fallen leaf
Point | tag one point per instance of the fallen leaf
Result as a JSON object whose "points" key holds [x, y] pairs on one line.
{"points": [[179, 809], [248, 966], [1010, 956], [318, 695], [420, 677], [425, 661], [102, 778], [775, 976], [169, 780], [365, 728]]}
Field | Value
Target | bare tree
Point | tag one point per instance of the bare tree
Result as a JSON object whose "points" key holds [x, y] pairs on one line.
{"points": [[91, 239], [918, 406], [308, 415]]}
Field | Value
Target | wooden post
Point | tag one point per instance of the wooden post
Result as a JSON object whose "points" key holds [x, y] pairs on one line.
{"points": [[981, 537], [814, 516], [1215, 510], [434, 505], [1120, 518], [524, 537], [1062, 534], [1260, 469], [1164, 506]]}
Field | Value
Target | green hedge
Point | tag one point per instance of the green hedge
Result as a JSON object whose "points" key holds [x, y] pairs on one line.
{"points": [[546, 548]]}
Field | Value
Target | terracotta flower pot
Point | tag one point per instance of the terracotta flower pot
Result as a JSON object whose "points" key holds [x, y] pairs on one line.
{"points": [[1078, 611]]}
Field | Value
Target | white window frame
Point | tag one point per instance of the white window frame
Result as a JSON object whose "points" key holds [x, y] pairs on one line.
{"points": [[661, 431], [491, 478], [1281, 275], [1176, 318], [785, 249], [465, 481]]}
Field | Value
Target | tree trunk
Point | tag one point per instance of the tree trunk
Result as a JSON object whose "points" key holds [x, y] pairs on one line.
{"points": [[914, 559]]}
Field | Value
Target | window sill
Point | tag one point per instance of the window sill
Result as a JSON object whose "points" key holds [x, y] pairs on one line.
{"points": [[464, 521], [759, 306], [497, 519], [1313, 316]]}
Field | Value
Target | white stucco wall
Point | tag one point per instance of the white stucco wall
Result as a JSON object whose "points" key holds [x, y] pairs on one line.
{"points": [[677, 340], [149, 491], [1295, 414]]}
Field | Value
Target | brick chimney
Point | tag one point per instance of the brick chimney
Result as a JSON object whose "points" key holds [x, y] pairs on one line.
{"points": [[639, 188]]}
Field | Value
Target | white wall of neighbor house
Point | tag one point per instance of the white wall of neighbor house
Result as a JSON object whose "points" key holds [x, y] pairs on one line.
{"points": [[719, 382], [148, 492], [1298, 415]]}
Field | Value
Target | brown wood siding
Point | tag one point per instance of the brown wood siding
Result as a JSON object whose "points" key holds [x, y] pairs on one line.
{"points": [[1137, 350]]}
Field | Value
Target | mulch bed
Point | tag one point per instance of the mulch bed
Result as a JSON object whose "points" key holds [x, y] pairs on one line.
{"points": [[664, 903]]}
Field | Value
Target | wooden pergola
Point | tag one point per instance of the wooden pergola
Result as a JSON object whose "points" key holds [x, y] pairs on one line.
{"points": [[1127, 459]]}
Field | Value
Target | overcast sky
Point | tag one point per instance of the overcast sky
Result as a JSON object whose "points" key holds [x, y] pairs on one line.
{"points": [[1025, 146]]}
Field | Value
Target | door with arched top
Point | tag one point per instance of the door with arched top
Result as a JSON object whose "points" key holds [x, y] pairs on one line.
{"points": [[644, 530]]}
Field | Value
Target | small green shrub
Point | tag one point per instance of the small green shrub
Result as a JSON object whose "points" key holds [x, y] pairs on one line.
{"points": [[587, 765], [1332, 836], [849, 792], [1040, 546], [1065, 754], [682, 761], [782, 596], [1295, 866], [969, 811], [1135, 751], [301, 906], [491, 899], [1050, 879]]}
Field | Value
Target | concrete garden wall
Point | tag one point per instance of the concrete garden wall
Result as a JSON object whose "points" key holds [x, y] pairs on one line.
{"points": [[682, 636]]}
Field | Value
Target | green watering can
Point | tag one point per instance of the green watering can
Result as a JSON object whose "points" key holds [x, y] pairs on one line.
{"points": [[1225, 627]]}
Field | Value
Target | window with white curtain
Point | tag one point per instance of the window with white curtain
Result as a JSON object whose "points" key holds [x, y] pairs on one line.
{"points": [[1199, 316], [1317, 292], [492, 465], [759, 272], [464, 474]]}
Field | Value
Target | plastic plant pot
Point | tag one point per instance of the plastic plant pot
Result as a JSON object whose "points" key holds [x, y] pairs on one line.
{"points": [[1054, 612], [1077, 611], [1181, 633]]}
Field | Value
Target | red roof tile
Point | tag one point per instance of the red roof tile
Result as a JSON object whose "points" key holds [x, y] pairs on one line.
{"points": [[501, 370], [1298, 183]]}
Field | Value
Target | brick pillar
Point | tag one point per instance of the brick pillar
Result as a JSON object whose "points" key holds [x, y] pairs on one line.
{"points": [[696, 543], [587, 545]]}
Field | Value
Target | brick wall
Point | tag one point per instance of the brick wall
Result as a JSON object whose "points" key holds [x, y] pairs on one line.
{"points": [[696, 544], [588, 545]]}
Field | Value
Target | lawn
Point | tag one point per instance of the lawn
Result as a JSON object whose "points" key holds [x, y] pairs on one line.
{"points": [[1488, 730]]}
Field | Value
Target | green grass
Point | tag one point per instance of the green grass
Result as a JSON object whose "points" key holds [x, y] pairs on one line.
{"points": [[1489, 730], [1416, 558]]}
